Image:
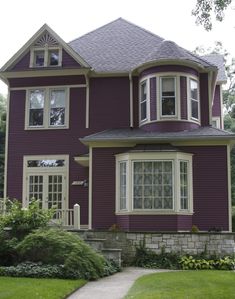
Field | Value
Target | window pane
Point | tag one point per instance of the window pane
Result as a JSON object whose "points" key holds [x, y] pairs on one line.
{"points": [[194, 107], [143, 111], [168, 96], [122, 186], [143, 95], [36, 107], [45, 163], [143, 101], [53, 57], [184, 196], [194, 88], [57, 107], [38, 58], [153, 185]]}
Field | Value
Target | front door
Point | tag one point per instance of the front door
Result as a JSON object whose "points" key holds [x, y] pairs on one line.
{"points": [[49, 189]]}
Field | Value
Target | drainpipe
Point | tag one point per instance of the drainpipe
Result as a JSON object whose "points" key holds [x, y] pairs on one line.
{"points": [[87, 101]]}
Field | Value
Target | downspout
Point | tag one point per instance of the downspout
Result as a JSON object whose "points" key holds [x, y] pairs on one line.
{"points": [[131, 100], [87, 101]]}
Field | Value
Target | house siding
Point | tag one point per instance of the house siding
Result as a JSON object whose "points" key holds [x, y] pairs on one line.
{"points": [[183, 98], [48, 142], [153, 99], [204, 99], [23, 63], [216, 107], [169, 68], [169, 126], [210, 195], [135, 102]]}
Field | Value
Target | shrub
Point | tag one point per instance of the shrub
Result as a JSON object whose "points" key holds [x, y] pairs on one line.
{"points": [[8, 253], [22, 221], [55, 247]]}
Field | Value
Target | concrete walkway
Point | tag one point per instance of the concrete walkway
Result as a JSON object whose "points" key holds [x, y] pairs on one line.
{"points": [[115, 286]]}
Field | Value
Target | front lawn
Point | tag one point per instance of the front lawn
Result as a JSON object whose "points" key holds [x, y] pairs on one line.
{"points": [[22, 288], [185, 285]]}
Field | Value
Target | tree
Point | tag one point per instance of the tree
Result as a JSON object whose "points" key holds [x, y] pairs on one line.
{"points": [[2, 140], [206, 8]]}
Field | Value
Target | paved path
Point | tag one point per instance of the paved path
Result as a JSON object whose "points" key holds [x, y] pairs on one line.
{"points": [[112, 287]]}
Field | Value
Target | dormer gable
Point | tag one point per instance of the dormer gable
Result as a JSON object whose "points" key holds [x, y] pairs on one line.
{"points": [[45, 49]]}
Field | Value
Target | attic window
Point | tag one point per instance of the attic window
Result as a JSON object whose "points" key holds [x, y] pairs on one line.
{"points": [[45, 57]]}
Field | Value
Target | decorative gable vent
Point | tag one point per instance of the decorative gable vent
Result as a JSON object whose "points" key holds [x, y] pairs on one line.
{"points": [[46, 39]]}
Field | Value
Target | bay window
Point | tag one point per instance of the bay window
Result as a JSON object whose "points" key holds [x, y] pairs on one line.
{"points": [[154, 183], [194, 99], [143, 101], [47, 108]]}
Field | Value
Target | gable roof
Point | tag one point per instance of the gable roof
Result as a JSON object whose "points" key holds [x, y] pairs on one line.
{"points": [[121, 46], [217, 60], [44, 29]]}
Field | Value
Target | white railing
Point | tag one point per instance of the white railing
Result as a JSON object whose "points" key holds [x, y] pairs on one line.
{"points": [[68, 218]]}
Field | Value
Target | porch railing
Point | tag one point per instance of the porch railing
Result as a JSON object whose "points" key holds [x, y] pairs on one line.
{"points": [[68, 218]]}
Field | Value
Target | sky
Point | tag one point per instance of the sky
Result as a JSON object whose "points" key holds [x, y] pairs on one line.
{"points": [[170, 19]]}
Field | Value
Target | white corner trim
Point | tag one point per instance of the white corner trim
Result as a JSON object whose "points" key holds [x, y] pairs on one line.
{"points": [[87, 101], [6, 144]]}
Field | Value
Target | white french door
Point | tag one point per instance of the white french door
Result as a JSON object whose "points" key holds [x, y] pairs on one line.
{"points": [[49, 189]]}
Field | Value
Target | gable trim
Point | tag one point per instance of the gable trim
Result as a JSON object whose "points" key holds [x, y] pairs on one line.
{"points": [[31, 41]]}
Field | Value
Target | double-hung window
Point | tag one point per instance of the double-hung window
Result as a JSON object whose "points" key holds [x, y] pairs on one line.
{"points": [[47, 108], [168, 96], [46, 57], [143, 101], [194, 99]]}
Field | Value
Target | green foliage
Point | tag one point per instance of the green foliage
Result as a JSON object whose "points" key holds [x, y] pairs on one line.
{"points": [[194, 229], [8, 253], [56, 247], [149, 259], [192, 263], [22, 220], [206, 8]]}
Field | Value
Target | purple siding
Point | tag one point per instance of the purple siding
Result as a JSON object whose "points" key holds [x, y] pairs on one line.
{"points": [[47, 81], [183, 98], [169, 68], [48, 142], [136, 102], [109, 103], [169, 126], [216, 108], [67, 62], [210, 186], [22, 64], [153, 99], [204, 99], [209, 191]]}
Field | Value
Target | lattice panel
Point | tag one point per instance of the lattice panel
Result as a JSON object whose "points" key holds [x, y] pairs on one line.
{"points": [[46, 38]]}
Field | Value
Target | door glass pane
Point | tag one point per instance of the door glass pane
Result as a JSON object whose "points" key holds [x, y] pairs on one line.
{"points": [[36, 188], [55, 190]]}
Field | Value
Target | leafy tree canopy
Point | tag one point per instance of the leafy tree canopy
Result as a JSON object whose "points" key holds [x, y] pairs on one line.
{"points": [[206, 8]]}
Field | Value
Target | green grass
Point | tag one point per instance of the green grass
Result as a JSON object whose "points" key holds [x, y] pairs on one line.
{"points": [[32, 288], [185, 285]]}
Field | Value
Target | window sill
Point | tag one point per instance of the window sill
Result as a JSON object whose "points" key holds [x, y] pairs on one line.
{"points": [[167, 212], [46, 128]]}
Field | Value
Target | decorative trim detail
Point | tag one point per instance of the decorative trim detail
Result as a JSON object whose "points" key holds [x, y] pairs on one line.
{"points": [[46, 39]]}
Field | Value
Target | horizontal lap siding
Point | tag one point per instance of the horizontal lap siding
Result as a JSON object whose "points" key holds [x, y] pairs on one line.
{"points": [[216, 108], [109, 103], [103, 187], [68, 61], [153, 99], [48, 142], [204, 99], [210, 187], [169, 126], [183, 98], [169, 68]]}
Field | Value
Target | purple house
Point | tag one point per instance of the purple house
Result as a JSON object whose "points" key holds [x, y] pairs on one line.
{"points": [[122, 122]]}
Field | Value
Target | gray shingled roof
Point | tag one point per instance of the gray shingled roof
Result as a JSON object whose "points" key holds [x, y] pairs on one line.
{"points": [[121, 46], [138, 135], [217, 60]]}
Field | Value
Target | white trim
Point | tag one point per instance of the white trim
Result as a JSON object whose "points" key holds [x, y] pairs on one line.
{"points": [[87, 102], [176, 83], [64, 171], [147, 101], [221, 108], [49, 86], [30, 42], [217, 121], [6, 144], [46, 109], [46, 50], [90, 190], [175, 158], [229, 189], [190, 99]]}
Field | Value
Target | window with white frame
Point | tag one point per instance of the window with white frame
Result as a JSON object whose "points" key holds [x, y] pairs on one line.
{"points": [[45, 180], [45, 57], [143, 100], [194, 99], [168, 96], [158, 182], [216, 122], [47, 108]]}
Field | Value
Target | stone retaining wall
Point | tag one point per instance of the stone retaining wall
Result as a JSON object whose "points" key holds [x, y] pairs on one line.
{"points": [[192, 243]]}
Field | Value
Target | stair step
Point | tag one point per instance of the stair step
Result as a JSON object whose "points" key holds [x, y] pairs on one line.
{"points": [[113, 254]]}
